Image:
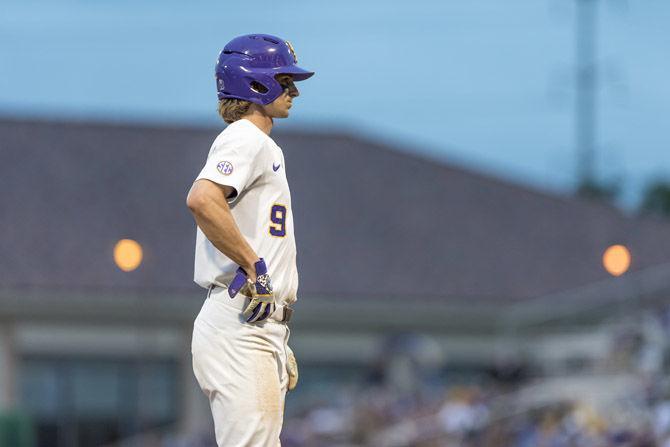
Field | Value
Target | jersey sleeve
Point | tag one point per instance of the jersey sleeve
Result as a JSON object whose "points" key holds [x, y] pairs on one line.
{"points": [[232, 163]]}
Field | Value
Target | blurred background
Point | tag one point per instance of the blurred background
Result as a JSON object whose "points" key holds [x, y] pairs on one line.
{"points": [[481, 195]]}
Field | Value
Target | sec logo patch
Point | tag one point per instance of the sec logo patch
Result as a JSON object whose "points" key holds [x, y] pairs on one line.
{"points": [[225, 167]]}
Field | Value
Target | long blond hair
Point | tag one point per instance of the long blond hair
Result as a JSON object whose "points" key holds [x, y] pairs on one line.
{"points": [[232, 109]]}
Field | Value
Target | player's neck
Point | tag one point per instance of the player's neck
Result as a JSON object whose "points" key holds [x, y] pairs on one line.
{"points": [[260, 120]]}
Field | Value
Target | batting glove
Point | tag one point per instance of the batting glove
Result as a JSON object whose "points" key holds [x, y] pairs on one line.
{"points": [[292, 368], [262, 303]]}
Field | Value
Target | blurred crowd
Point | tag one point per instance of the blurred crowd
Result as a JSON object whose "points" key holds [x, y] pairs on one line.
{"points": [[620, 400], [472, 416]]}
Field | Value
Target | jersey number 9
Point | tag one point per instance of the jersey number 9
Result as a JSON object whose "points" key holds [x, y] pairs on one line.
{"points": [[278, 220]]}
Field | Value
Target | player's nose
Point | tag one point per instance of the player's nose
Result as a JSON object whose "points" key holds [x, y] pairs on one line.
{"points": [[293, 91]]}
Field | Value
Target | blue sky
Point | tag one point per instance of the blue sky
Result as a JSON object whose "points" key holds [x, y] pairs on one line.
{"points": [[487, 84]]}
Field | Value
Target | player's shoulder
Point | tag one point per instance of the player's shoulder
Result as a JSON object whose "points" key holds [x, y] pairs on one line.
{"points": [[241, 135]]}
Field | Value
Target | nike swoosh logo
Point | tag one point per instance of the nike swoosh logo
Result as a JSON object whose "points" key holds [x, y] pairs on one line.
{"points": [[276, 167]]}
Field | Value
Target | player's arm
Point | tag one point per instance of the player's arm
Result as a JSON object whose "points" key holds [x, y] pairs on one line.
{"points": [[207, 201]]}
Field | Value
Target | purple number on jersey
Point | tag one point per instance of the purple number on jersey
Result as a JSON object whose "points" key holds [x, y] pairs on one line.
{"points": [[278, 219]]}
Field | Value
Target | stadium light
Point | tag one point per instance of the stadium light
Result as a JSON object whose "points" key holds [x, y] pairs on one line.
{"points": [[616, 260], [127, 254]]}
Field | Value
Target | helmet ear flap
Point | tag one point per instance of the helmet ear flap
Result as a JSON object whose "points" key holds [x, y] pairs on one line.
{"points": [[264, 87]]}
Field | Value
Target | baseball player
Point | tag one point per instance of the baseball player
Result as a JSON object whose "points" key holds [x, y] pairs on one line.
{"points": [[245, 254]]}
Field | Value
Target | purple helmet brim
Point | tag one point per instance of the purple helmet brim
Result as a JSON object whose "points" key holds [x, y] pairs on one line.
{"points": [[299, 74]]}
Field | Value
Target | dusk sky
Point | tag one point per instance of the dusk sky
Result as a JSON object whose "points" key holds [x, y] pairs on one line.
{"points": [[486, 84]]}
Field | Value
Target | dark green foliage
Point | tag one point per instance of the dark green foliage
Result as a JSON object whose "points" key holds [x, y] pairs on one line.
{"points": [[598, 191], [656, 199]]}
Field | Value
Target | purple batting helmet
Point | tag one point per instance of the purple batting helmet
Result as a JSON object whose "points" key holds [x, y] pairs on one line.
{"points": [[247, 66]]}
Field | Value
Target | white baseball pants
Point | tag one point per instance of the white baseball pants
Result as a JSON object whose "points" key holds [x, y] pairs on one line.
{"points": [[241, 367]]}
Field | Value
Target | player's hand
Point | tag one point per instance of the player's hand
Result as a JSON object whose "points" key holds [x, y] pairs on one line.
{"points": [[292, 367], [262, 303]]}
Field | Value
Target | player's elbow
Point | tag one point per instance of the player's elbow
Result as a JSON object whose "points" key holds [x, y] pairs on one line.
{"points": [[206, 196], [196, 200]]}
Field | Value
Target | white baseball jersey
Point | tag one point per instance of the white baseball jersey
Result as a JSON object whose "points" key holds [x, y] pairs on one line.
{"points": [[248, 160]]}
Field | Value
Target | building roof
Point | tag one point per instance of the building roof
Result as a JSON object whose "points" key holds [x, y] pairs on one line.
{"points": [[371, 221]]}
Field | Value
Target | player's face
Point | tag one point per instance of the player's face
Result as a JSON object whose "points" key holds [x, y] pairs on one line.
{"points": [[279, 107]]}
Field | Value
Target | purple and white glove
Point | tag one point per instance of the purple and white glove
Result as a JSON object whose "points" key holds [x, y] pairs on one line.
{"points": [[262, 303]]}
